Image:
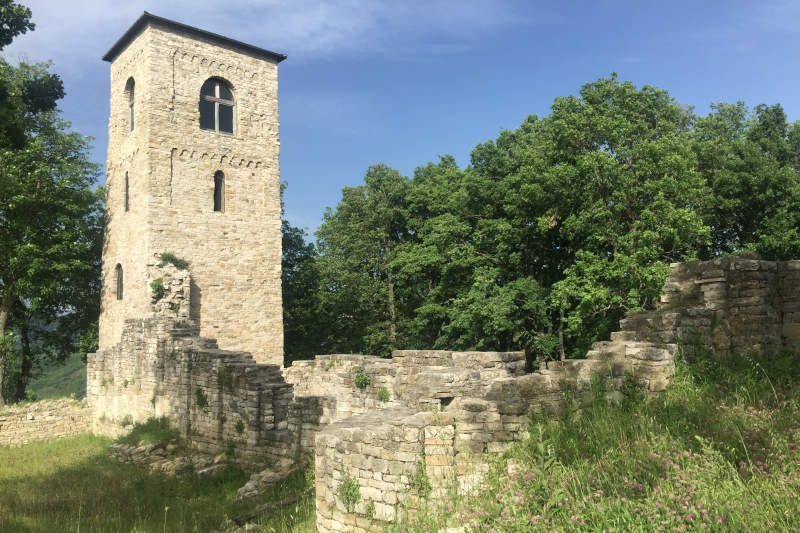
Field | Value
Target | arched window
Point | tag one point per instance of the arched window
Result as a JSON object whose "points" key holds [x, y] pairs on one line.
{"points": [[219, 191], [217, 106], [127, 193], [118, 271], [129, 85]]}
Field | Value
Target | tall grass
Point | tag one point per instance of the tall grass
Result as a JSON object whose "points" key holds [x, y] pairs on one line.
{"points": [[71, 485], [718, 451]]}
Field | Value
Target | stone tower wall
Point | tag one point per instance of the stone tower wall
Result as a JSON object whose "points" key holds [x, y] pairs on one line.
{"points": [[127, 236], [235, 255]]}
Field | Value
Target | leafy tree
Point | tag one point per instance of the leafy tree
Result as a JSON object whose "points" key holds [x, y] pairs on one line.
{"points": [[303, 331], [556, 228], [24, 90], [748, 161], [357, 244], [15, 19], [50, 237]]}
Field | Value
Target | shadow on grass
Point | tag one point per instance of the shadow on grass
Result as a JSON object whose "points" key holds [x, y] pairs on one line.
{"points": [[72, 485]]}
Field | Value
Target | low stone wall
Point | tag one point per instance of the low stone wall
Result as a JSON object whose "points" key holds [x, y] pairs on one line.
{"points": [[425, 422], [458, 409], [44, 420]]}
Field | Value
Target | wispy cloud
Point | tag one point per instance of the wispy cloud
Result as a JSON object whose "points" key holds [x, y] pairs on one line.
{"points": [[75, 31]]}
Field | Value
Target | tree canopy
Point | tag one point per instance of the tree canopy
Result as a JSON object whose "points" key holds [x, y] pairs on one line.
{"points": [[555, 229]]}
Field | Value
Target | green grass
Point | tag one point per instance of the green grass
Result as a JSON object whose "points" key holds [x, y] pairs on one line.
{"points": [[72, 485], [150, 432], [718, 451], [61, 380]]}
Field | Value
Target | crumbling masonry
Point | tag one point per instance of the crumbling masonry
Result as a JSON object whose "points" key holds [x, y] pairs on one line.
{"points": [[441, 412]]}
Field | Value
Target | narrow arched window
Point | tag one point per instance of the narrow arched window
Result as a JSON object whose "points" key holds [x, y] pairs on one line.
{"points": [[129, 86], [118, 271], [217, 106], [219, 191], [127, 193]]}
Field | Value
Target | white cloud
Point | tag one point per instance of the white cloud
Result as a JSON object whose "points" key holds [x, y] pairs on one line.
{"points": [[76, 31]]}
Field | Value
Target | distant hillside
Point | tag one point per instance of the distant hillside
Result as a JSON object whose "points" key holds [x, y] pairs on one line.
{"points": [[61, 380]]}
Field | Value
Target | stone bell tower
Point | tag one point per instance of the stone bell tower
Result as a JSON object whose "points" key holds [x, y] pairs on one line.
{"points": [[193, 170]]}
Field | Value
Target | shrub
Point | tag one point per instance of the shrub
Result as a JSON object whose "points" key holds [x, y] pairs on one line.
{"points": [[383, 395], [172, 259], [349, 493], [361, 379], [157, 287]]}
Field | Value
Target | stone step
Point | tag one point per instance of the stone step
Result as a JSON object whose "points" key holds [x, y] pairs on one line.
{"points": [[624, 336]]}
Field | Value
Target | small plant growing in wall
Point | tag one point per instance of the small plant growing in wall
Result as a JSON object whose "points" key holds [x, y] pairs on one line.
{"points": [[239, 427], [127, 421], [201, 398], [172, 259], [349, 493], [420, 484], [361, 379], [157, 288], [370, 510], [383, 395], [225, 379]]}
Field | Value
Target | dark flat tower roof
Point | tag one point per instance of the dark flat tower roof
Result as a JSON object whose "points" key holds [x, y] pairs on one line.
{"points": [[148, 18]]}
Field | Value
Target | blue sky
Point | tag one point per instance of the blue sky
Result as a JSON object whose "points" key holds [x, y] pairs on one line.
{"points": [[401, 82]]}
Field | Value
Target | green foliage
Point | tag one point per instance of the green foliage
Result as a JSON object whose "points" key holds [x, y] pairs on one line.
{"points": [[420, 484], [715, 451], [383, 395], [361, 379], [15, 19], [158, 289], [230, 452], [154, 430], [51, 235], [304, 336], [554, 230], [172, 259], [26, 89], [239, 427], [127, 421], [60, 379], [369, 511], [226, 379], [349, 493], [201, 399]]}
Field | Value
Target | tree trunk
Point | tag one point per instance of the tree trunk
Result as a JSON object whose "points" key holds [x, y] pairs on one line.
{"points": [[5, 310], [392, 307], [27, 361], [561, 335], [392, 314]]}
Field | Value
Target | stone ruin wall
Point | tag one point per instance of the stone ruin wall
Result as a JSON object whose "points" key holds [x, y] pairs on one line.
{"points": [[446, 413], [163, 368], [44, 420]]}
